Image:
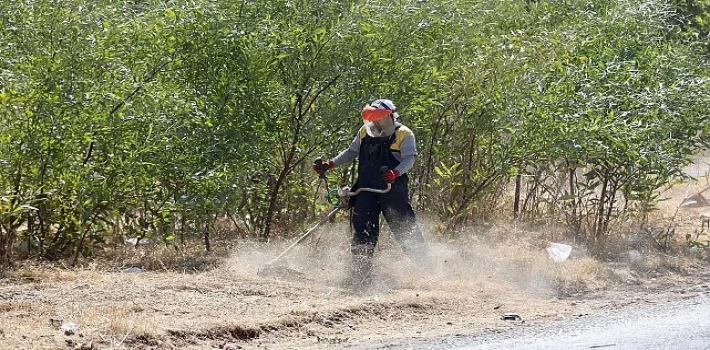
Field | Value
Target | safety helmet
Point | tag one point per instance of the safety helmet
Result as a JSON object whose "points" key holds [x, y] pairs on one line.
{"points": [[379, 118]]}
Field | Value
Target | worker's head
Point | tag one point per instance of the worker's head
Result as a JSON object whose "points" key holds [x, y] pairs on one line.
{"points": [[379, 118]]}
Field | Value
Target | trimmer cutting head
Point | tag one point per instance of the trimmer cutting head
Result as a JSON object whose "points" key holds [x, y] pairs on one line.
{"points": [[280, 269]]}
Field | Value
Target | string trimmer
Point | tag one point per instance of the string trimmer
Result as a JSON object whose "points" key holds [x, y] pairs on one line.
{"points": [[339, 198]]}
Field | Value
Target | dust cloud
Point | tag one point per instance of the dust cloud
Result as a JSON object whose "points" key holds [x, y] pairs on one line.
{"points": [[466, 263]]}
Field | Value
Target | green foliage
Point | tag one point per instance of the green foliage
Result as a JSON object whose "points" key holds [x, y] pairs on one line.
{"points": [[693, 19], [151, 119], [609, 102]]}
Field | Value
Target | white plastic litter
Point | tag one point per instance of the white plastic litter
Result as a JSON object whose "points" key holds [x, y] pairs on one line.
{"points": [[559, 252], [633, 255], [134, 241], [69, 328]]}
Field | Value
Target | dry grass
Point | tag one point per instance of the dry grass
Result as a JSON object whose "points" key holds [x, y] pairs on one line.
{"points": [[32, 272], [473, 282], [191, 258], [189, 299], [21, 306]]}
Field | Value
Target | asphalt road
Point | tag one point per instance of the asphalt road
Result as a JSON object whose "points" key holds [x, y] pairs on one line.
{"points": [[680, 326], [676, 325]]}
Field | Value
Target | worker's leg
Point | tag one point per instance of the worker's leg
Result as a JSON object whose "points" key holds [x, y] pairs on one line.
{"points": [[365, 221], [403, 223]]}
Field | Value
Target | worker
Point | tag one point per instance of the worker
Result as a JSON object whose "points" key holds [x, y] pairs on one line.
{"points": [[381, 141]]}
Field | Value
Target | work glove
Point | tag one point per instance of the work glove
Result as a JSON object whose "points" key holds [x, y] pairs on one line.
{"points": [[390, 175], [320, 167]]}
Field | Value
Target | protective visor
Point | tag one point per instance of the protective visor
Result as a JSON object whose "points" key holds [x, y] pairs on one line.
{"points": [[373, 114], [380, 128]]}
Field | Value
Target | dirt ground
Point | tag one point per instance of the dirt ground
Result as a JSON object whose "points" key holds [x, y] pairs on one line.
{"points": [[140, 301], [472, 286]]}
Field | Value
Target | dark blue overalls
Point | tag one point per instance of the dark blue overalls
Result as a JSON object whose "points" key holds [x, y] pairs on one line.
{"points": [[375, 152]]}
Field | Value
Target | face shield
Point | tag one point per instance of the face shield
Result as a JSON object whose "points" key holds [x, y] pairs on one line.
{"points": [[378, 122], [380, 128]]}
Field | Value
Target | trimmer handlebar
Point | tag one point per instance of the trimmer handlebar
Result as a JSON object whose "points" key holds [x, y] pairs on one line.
{"points": [[363, 189], [340, 197]]}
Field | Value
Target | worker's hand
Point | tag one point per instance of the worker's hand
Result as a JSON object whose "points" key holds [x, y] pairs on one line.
{"points": [[390, 175], [320, 167]]}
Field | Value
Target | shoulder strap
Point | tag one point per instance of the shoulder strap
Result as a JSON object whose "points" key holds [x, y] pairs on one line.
{"points": [[362, 132]]}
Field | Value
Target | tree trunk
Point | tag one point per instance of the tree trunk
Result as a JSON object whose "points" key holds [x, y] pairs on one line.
{"points": [[208, 245], [516, 200]]}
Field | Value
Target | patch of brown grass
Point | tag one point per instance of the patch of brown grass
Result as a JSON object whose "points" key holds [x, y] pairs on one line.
{"points": [[579, 275], [233, 332], [191, 258], [30, 272], [15, 305]]}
